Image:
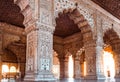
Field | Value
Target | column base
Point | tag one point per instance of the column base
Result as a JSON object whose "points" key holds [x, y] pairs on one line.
{"points": [[77, 76], [90, 77], [117, 76], [39, 77], [101, 77]]}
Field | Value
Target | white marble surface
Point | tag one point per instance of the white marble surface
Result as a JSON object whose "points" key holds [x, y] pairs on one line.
{"points": [[66, 80]]}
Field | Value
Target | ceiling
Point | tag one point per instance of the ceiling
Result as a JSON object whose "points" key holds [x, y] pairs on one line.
{"points": [[112, 6], [65, 26], [10, 13]]}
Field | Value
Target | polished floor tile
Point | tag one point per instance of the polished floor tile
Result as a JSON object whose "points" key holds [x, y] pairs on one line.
{"points": [[66, 80]]}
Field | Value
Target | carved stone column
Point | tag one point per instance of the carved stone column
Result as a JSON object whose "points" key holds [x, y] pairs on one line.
{"points": [[90, 58], [31, 55], [40, 43], [0, 68], [77, 68], [1, 52], [39, 54], [45, 53], [66, 67], [99, 51], [90, 52], [117, 66], [61, 67], [22, 70], [117, 60], [99, 63]]}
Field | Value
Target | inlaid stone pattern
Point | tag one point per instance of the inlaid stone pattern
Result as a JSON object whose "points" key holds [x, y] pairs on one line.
{"points": [[45, 53], [47, 4], [45, 17], [30, 52], [107, 23], [111, 6], [62, 4]]}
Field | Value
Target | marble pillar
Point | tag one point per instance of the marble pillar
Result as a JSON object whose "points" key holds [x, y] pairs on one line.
{"points": [[117, 62], [77, 68], [1, 52], [90, 53], [39, 57], [66, 72], [99, 49], [99, 63], [22, 70], [0, 68], [90, 58], [61, 67]]}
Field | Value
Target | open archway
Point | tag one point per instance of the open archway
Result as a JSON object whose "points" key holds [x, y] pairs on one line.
{"points": [[111, 38], [80, 64], [71, 33], [109, 62]]}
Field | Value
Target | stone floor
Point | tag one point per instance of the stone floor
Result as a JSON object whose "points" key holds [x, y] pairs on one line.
{"points": [[66, 80]]}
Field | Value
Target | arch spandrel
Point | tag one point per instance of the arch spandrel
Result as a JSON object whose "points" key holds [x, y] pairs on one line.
{"points": [[61, 5]]}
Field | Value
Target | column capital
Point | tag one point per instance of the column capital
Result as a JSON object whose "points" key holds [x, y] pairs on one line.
{"points": [[44, 27], [31, 27]]}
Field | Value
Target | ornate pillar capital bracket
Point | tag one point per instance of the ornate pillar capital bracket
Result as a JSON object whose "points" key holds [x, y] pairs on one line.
{"points": [[45, 28], [30, 26], [77, 56]]}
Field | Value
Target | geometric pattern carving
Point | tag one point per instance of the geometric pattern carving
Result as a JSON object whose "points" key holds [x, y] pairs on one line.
{"points": [[60, 5], [112, 6]]}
